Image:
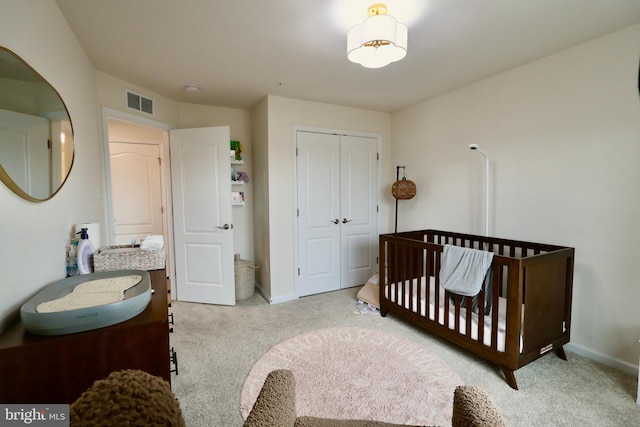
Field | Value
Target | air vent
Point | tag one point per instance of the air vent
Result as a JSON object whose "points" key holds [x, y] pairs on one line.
{"points": [[139, 103]]}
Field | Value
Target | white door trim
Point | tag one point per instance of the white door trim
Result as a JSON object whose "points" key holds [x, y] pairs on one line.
{"points": [[294, 130]]}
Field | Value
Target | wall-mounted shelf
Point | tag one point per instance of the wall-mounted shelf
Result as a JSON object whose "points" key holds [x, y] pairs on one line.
{"points": [[235, 157]]}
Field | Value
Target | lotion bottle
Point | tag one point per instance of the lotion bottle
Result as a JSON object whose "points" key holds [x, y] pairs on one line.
{"points": [[85, 253]]}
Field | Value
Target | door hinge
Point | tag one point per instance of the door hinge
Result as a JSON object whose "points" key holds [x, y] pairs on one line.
{"points": [[160, 161], [378, 156], [377, 208], [48, 144], [298, 212], [377, 260], [161, 209], [296, 151], [298, 271]]}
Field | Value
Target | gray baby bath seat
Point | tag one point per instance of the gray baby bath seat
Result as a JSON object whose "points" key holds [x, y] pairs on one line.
{"points": [[85, 302]]}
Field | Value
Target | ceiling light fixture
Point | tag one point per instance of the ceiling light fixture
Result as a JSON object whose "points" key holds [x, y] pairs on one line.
{"points": [[378, 41], [192, 88]]}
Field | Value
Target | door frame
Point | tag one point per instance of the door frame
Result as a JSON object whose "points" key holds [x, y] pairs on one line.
{"points": [[165, 172], [294, 139]]}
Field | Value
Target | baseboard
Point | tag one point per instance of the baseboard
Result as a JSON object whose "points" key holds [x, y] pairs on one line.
{"points": [[278, 300], [601, 358], [285, 298]]}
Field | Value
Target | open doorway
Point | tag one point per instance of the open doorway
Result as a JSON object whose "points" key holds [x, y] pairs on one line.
{"points": [[136, 179]]}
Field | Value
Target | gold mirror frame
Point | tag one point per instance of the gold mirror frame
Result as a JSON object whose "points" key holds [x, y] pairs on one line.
{"points": [[36, 133]]}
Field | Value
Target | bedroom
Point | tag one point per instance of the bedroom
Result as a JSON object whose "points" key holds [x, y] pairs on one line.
{"points": [[562, 133]]}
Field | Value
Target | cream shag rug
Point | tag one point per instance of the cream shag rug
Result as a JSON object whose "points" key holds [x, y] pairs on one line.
{"points": [[355, 373]]}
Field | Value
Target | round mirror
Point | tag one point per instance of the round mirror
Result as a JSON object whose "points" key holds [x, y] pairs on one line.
{"points": [[36, 136]]}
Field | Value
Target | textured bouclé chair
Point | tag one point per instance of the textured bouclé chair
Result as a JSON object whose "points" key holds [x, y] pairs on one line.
{"points": [[275, 406], [127, 398]]}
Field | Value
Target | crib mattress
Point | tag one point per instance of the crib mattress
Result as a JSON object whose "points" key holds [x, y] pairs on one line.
{"points": [[405, 302], [52, 312]]}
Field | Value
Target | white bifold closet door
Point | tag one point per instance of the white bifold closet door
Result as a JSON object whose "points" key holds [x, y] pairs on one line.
{"points": [[337, 211]]}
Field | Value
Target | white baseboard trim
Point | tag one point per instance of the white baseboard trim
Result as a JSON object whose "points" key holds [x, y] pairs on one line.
{"points": [[605, 360], [278, 300], [285, 298]]}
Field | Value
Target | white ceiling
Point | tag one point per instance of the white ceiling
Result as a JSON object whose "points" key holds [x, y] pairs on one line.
{"points": [[240, 51]]}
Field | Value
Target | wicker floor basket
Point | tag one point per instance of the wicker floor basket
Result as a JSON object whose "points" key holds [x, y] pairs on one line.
{"points": [[111, 258], [245, 277]]}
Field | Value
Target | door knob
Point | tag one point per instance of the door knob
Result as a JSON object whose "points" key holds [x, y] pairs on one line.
{"points": [[345, 220], [335, 221], [226, 226]]}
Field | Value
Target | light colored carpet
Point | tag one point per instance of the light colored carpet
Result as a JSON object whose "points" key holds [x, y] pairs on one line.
{"points": [[345, 373], [217, 347]]}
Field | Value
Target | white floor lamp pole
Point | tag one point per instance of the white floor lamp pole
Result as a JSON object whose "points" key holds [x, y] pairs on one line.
{"points": [[475, 147]]}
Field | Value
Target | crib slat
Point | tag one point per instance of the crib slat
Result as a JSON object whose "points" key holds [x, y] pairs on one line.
{"points": [[403, 272], [497, 289], [456, 319], [395, 256], [436, 291], [469, 307], [411, 274], [429, 271], [421, 276], [481, 307]]}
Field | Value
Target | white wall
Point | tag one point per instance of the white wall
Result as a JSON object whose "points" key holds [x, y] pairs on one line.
{"points": [[260, 169], [563, 135], [112, 94], [34, 235], [283, 114]]}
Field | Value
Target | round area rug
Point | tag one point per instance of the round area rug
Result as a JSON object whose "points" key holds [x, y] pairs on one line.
{"points": [[355, 373]]}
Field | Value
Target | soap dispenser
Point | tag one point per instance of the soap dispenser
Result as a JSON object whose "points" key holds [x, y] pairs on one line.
{"points": [[85, 253]]}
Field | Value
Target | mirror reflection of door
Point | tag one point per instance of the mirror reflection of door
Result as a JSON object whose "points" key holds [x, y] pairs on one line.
{"points": [[24, 151], [36, 136], [136, 188]]}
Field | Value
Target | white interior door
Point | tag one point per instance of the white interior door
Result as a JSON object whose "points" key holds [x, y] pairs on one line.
{"points": [[203, 229], [318, 168], [337, 211], [358, 206], [136, 191]]}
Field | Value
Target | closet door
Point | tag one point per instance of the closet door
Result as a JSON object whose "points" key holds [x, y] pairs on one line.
{"points": [[336, 211], [358, 207], [318, 166]]}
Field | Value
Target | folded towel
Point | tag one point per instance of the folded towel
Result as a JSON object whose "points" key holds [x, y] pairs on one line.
{"points": [[152, 242], [463, 269]]}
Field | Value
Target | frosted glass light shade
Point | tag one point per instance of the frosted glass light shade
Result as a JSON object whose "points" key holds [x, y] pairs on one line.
{"points": [[377, 42]]}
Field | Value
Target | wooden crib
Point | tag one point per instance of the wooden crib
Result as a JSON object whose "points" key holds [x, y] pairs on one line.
{"points": [[529, 296]]}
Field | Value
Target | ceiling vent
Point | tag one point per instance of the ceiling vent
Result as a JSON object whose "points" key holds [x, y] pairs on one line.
{"points": [[139, 103]]}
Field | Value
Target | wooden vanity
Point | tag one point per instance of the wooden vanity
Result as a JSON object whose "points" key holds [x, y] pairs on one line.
{"points": [[57, 369]]}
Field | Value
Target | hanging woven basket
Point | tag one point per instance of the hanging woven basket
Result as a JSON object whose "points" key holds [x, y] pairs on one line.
{"points": [[403, 189]]}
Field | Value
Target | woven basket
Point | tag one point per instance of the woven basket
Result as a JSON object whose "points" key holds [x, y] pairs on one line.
{"points": [[245, 277], [112, 258], [403, 189]]}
